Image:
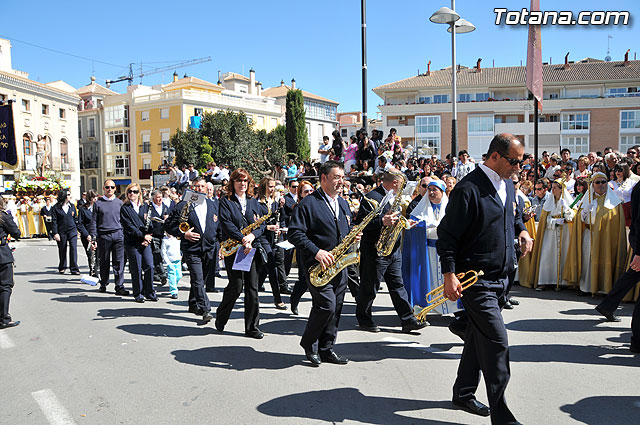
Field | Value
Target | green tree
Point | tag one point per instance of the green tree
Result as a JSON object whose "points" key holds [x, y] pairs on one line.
{"points": [[296, 131], [188, 146], [205, 154]]}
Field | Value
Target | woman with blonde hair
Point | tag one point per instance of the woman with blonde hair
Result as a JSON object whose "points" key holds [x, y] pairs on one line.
{"points": [[450, 182], [137, 243]]}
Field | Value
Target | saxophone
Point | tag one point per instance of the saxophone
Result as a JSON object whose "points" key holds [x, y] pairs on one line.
{"points": [[230, 246], [184, 217], [320, 277], [390, 234], [147, 224]]}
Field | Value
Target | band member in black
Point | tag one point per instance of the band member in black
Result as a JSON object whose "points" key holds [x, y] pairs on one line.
{"points": [[319, 223], [374, 268], [239, 209], [84, 223], [196, 244], [290, 200], [302, 284], [159, 212], [137, 243], [65, 231], [7, 227], [477, 233], [46, 213]]}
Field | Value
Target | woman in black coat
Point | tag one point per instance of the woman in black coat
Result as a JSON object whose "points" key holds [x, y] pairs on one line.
{"points": [[305, 188], [64, 224], [137, 244], [7, 227], [85, 212]]}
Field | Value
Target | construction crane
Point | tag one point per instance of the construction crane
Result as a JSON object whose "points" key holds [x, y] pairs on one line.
{"points": [[130, 77]]}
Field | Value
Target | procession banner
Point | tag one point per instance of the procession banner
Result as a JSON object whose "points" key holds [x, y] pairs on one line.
{"points": [[8, 153]]}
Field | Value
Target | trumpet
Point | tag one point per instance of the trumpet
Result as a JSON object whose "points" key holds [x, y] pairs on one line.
{"points": [[438, 293]]}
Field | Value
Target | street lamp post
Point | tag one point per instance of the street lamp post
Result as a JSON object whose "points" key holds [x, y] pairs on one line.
{"points": [[446, 15]]}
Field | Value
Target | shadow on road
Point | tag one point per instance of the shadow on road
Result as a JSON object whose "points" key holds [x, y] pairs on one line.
{"points": [[237, 358], [592, 312], [170, 331], [349, 404], [561, 325], [152, 312], [619, 410], [579, 354]]}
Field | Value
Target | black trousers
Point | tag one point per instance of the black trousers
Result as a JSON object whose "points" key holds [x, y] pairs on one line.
{"points": [[279, 256], [70, 239], [300, 286], [92, 257], [216, 254], [198, 298], [209, 260], [141, 269], [486, 349], [48, 225], [159, 270], [111, 249], [322, 327], [625, 283], [239, 280], [288, 260], [6, 287], [270, 269], [372, 270]]}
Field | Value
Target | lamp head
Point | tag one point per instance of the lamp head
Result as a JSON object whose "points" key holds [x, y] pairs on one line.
{"points": [[444, 15], [462, 26]]}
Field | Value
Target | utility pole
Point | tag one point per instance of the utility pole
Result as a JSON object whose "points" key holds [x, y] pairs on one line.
{"points": [[363, 10]]}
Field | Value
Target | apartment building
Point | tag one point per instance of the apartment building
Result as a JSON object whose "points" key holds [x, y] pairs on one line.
{"points": [[588, 105]]}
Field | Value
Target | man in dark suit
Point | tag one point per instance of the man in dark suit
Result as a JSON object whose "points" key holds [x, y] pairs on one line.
{"points": [[159, 212], [374, 268], [628, 280], [197, 244], [319, 223], [290, 200], [46, 213], [8, 228], [477, 233]]}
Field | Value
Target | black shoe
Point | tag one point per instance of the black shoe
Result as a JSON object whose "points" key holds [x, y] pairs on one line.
{"points": [[140, 299], [513, 301], [75, 273], [414, 326], [174, 296], [196, 311], [334, 358], [369, 328], [313, 357], [121, 291], [102, 289], [285, 290], [473, 406], [61, 271], [152, 297], [218, 275], [457, 331], [219, 326], [206, 317], [162, 282], [294, 310], [9, 325], [607, 314], [508, 305], [256, 333]]}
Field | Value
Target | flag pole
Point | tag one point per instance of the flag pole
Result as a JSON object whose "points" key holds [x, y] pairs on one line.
{"points": [[535, 136]]}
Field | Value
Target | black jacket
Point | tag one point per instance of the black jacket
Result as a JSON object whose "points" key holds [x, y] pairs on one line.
{"points": [[287, 210], [207, 239], [7, 227], [232, 221], [477, 231], [84, 221], [134, 225], [156, 227], [634, 229], [268, 238], [371, 233], [413, 204], [313, 226], [64, 223]]}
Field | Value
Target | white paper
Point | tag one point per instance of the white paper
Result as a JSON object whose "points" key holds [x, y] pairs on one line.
{"points": [[93, 281], [285, 245], [243, 262], [195, 197], [409, 188]]}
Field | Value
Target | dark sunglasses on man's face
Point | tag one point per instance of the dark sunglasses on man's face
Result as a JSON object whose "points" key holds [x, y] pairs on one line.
{"points": [[600, 182], [109, 187], [513, 161], [424, 185], [133, 191], [632, 153]]}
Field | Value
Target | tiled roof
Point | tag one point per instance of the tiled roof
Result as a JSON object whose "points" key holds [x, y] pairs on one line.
{"points": [[191, 80], [94, 88], [515, 75], [281, 91], [234, 76]]}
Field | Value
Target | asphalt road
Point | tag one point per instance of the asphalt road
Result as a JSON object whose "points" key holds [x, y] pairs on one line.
{"points": [[88, 358]]}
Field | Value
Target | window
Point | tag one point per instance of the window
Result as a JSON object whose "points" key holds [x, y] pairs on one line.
{"points": [[480, 123], [146, 164], [243, 88], [64, 152], [343, 132], [427, 135], [94, 183], [26, 145], [465, 97], [26, 105], [116, 116], [554, 95], [164, 113], [274, 122], [260, 120], [622, 92], [320, 111], [250, 119], [575, 122], [440, 98], [118, 141], [92, 127], [3, 97], [629, 119], [79, 129], [45, 109], [62, 113], [146, 143], [424, 99], [320, 131], [578, 145], [144, 116], [482, 97], [164, 140], [198, 112], [628, 141]]}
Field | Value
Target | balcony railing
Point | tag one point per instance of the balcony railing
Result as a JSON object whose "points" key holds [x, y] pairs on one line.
{"points": [[222, 101]]}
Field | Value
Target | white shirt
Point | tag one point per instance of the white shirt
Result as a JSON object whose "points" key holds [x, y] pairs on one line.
{"points": [[167, 201], [201, 212], [224, 174], [497, 182], [136, 207], [65, 207], [333, 204], [158, 208], [243, 204]]}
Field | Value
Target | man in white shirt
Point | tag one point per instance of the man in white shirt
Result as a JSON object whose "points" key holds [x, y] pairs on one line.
{"points": [[324, 149], [465, 166]]}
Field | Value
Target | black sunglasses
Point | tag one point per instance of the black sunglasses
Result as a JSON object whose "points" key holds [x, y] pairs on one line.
{"points": [[600, 182], [512, 161], [133, 191], [425, 185], [109, 187]]}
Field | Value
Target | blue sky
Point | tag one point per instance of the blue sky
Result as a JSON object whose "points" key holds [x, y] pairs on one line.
{"points": [[315, 42]]}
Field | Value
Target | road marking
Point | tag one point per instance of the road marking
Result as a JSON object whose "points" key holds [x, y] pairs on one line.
{"points": [[55, 412], [421, 347], [5, 341]]}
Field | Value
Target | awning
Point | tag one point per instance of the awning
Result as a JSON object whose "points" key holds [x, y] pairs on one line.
{"points": [[122, 181]]}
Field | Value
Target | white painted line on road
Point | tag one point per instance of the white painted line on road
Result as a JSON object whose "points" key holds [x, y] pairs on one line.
{"points": [[423, 347], [55, 412], [5, 341]]}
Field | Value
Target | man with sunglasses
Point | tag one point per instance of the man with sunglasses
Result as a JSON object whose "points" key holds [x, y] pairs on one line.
{"points": [[540, 195], [106, 229], [422, 190], [477, 233]]}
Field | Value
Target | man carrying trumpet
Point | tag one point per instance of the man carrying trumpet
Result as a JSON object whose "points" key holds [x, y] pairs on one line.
{"points": [[478, 233]]}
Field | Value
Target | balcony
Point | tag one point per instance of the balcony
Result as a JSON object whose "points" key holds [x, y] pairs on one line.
{"points": [[527, 128]]}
